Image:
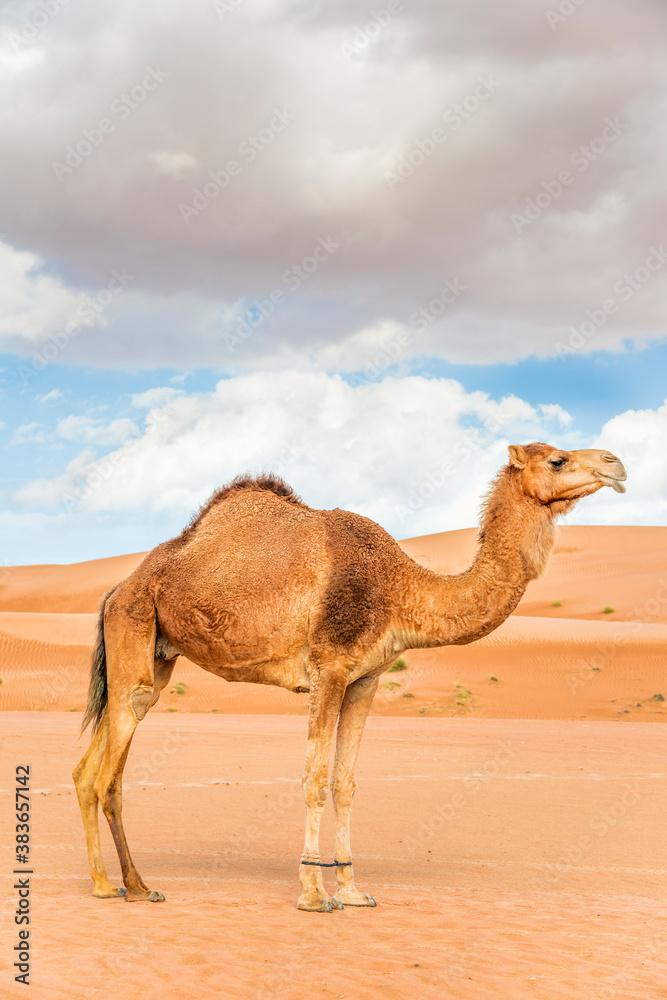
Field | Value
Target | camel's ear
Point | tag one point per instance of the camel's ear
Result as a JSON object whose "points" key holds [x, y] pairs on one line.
{"points": [[517, 456]]}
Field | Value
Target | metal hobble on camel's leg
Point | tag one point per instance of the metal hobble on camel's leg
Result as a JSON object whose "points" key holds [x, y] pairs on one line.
{"points": [[327, 690], [353, 715]]}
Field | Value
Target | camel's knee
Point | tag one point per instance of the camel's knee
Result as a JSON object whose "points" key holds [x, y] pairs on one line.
{"points": [[86, 770], [141, 700], [315, 791], [80, 773], [343, 793], [109, 797]]}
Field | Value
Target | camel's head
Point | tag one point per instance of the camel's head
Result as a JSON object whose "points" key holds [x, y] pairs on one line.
{"points": [[560, 478]]}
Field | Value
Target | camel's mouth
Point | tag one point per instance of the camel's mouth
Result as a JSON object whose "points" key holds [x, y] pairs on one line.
{"points": [[616, 483]]}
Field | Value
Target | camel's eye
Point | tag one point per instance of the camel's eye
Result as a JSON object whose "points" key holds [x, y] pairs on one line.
{"points": [[557, 463]]}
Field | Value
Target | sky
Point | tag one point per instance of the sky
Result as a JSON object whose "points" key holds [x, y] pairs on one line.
{"points": [[364, 246]]}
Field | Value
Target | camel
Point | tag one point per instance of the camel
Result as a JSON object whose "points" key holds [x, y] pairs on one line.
{"points": [[260, 587]]}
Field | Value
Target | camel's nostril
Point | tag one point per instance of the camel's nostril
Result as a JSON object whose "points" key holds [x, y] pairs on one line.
{"points": [[609, 458]]}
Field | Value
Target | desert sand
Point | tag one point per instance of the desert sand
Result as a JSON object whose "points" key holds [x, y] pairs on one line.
{"points": [[508, 859], [509, 819], [567, 662]]}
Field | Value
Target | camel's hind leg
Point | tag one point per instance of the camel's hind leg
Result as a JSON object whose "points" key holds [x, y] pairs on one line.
{"points": [[84, 780], [353, 714], [85, 776], [130, 648]]}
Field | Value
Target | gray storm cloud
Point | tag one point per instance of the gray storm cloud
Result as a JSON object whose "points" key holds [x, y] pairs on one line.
{"points": [[518, 149]]}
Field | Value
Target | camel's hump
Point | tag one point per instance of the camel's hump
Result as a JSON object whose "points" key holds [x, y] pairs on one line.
{"points": [[243, 483]]}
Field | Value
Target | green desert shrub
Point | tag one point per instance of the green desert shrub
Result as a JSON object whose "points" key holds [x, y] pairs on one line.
{"points": [[399, 665]]}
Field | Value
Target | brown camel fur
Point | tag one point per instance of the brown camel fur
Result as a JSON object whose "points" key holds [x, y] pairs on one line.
{"points": [[262, 588]]}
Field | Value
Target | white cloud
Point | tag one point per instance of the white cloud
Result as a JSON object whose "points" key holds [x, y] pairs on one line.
{"points": [[413, 453], [49, 397], [638, 438], [552, 411], [78, 428], [95, 431], [173, 164], [32, 301], [30, 432], [154, 397]]}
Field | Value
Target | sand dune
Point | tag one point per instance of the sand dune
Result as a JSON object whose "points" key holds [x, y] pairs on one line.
{"points": [[74, 588], [528, 668], [591, 567], [571, 661]]}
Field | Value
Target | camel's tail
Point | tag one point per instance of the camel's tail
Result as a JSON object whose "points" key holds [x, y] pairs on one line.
{"points": [[98, 693]]}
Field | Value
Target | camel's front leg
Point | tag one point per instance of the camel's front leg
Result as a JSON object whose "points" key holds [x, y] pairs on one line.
{"points": [[354, 712], [326, 696]]}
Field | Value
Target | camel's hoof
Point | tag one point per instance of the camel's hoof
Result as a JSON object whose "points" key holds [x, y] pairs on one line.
{"points": [[319, 905], [150, 897], [354, 899], [113, 893]]}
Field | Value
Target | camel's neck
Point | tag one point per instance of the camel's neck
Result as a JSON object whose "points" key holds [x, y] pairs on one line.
{"points": [[516, 538]]}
